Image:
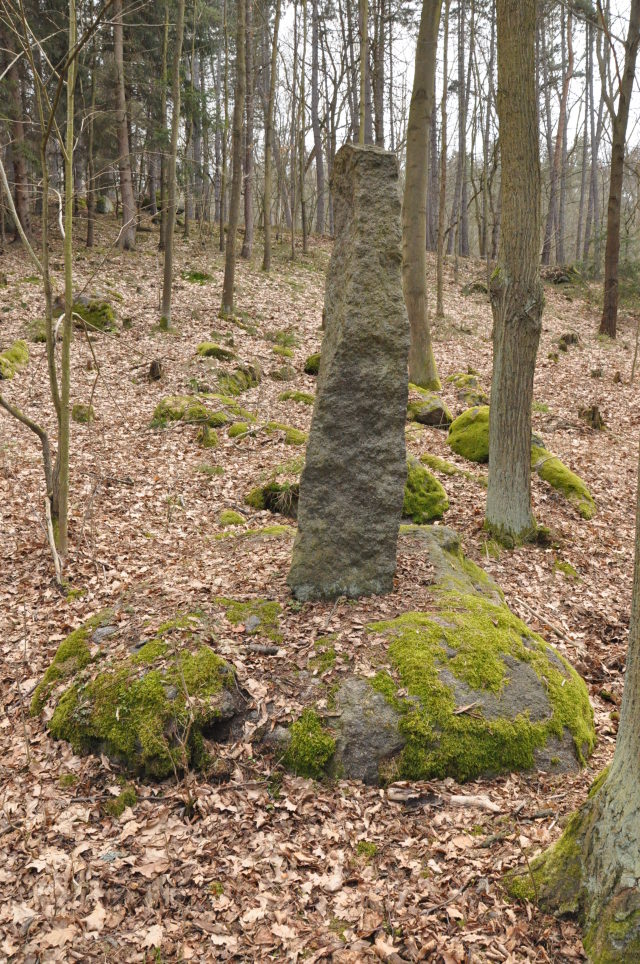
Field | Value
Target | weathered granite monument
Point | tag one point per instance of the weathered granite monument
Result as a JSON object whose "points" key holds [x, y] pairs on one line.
{"points": [[352, 486]]}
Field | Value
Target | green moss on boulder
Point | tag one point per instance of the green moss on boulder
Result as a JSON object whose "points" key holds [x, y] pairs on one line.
{"points": [[149, 709], [180, 408], [237, 429], [310, 748], [14, 359], [96, 313], [424, 497], [83, 414], [241, 380], [468, 388], [209, 349], [472, 652], [469, 434], [312, 364], [429, 409]]}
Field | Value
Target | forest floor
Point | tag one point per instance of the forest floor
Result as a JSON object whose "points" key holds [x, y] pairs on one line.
{"points": [[268, 866]]}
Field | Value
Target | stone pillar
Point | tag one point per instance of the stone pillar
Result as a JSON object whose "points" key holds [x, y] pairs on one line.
{"points": [[352, 485]]}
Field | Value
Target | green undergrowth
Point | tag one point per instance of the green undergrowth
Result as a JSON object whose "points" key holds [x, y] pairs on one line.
{"points": [[424, 497], [192, 410], [230, 518], [469, 636], [117, 806], [197, 277], [83, 414], [14, 359]]}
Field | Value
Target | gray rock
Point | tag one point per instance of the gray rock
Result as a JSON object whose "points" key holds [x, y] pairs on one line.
{"points": [[367, 731], [352, 486], [103, 632]]}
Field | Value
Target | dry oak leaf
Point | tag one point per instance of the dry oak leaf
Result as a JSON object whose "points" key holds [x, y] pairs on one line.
{"points": [[153, 937], [95, 920]]}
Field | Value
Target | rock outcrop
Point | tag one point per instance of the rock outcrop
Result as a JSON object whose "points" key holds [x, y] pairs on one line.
{"points": [[352, 486]]}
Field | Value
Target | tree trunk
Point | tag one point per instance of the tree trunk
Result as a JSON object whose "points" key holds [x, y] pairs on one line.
{"points": [[422, 364], [315, 118], [268, 132], [225, 125], [91, 187], [552, 214], [228, 287], [365, 133], [443, 169], [247, 244], [378, 72], [21, 190], [608, 323], [593, 871], [585, 145], [127, 239], [165, 320], [163, 127], [516, 291]]}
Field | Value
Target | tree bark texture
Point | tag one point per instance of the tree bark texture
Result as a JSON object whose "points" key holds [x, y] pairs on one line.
{"points": [[127, 238], [228, 287], [516, 291]]}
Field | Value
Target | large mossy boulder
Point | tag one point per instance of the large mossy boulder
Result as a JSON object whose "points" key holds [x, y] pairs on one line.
{"points": [[149, 704], [468, 388], [95, 311], [463, 689]]}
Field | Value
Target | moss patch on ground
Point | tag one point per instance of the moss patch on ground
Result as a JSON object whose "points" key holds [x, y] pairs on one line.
{"points": [[448, 468], [147, 710], [209, 349], [258, 616], [14, 359], [469, 434], [476, 641], [292, 436], [230, 518], [424, 497], [302, 398], [192, 410], [550, 468]]}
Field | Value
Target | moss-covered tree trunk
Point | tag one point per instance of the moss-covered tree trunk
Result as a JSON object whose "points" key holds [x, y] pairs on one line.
{"points": [[620, 119], [422, 364], [516, 291], [593, 871], [236, 160]]}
